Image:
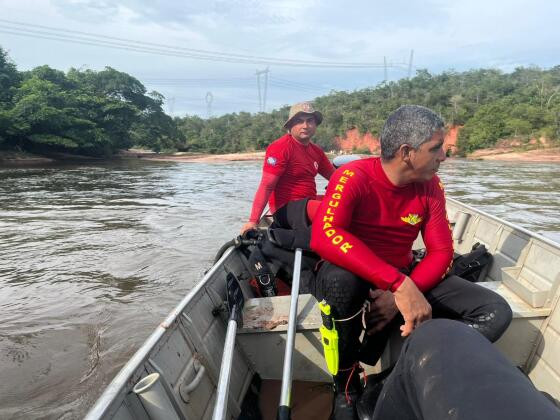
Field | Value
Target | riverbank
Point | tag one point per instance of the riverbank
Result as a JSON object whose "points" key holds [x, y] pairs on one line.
{"points": [[11, 158], [500, 153], [192, 157], [503, 154], [551, 154]]}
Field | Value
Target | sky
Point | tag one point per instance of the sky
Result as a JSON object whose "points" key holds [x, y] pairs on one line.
{"points": [[204, 55]]}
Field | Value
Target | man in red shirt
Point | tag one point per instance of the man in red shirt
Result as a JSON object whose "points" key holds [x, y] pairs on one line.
{"points": [[291, 164], [371, 214]]}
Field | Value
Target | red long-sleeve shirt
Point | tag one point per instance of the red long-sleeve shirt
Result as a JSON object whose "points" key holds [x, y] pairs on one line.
{"points": [[367, 225], [296, 166]]}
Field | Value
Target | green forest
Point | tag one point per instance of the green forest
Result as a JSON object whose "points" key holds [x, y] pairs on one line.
{"points": [[98, 113], [80, 112]]}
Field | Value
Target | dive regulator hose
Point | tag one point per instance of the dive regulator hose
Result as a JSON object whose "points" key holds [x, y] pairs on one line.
{"points": [[241, 240]]}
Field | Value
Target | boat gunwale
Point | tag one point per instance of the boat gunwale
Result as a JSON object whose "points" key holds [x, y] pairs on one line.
{"points": [[115, 387], [512, 225]]}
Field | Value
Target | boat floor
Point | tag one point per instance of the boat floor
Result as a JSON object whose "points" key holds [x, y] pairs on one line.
{"points": [[310, 400]]}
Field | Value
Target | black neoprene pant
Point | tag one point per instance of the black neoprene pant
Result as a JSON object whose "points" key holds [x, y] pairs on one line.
{"points": [[454, 298], [448, 371]]}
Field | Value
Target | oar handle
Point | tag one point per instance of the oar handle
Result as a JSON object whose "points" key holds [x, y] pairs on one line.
{"points": [[222, 391], [285, 396], [284, 413]]}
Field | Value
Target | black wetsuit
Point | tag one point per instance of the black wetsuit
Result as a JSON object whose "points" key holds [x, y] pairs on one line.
{"points": [[448, 371], [453, 298]]}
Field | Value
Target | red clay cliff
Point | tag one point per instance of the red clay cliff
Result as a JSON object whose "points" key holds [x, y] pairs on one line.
{"points": [[354, 141]]}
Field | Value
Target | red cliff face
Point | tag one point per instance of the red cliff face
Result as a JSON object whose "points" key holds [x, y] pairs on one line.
{"points": [[450, 140], [355, 141]]}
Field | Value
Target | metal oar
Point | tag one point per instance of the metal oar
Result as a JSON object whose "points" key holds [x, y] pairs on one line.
{"points": [[285, 396], [235, 303]]}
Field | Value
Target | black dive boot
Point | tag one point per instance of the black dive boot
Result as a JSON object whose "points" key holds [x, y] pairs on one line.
{"points": [[347, 391], [365, 406]]}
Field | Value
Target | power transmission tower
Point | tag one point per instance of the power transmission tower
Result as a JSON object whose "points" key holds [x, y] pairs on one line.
{"points": [[209, 98], [410, 63], [171, 105], [384, 68], [262, 97]]}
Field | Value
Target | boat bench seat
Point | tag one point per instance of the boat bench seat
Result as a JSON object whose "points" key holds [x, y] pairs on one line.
{"points": [[271, 314]]}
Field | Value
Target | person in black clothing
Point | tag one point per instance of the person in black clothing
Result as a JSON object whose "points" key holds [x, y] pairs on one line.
{"points": [[447, 370]]}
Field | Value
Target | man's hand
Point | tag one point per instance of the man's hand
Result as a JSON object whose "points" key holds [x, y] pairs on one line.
{"points": [[248, 226], [381, 310], [413, 306]]}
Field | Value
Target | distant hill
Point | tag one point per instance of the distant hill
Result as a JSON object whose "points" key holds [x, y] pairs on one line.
{"points": [[489, 105]]}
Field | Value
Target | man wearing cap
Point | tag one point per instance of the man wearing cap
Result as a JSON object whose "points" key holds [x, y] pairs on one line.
{"points": [[291, 164]]}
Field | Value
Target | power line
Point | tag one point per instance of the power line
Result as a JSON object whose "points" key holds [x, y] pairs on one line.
{"points": [[86, 38], [295, 86], [106, 44], [202, 101], [227, 83], [234, 83], [302, 84], [204, 80]]}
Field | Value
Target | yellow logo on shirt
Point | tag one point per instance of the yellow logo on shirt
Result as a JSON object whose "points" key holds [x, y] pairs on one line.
{"points": [[412, 219]]}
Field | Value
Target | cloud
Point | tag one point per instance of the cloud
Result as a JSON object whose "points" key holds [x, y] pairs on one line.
{"points": [[87, 10]]}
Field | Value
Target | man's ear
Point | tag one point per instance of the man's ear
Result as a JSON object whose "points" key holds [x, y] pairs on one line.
{"points": [[404, 152]]}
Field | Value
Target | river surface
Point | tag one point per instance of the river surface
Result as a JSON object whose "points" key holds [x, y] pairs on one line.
{"points": [[93, 257]]}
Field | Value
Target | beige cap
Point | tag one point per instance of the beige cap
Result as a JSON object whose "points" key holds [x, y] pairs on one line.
{"points": [[303, 108]]}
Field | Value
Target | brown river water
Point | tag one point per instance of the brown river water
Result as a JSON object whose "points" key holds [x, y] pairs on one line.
{"points": [[94, 256]]}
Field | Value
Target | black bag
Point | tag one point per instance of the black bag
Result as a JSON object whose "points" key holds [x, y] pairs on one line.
{"points": [[474, 265]]}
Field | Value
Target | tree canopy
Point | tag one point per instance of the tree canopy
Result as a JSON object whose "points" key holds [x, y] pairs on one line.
{"points": [[85, 112]]}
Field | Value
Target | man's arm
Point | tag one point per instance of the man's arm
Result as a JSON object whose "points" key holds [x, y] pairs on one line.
{"points": [[266, 186], [413, 306], [326, 168], [275, 162], [436, 233], [332, 241]]}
